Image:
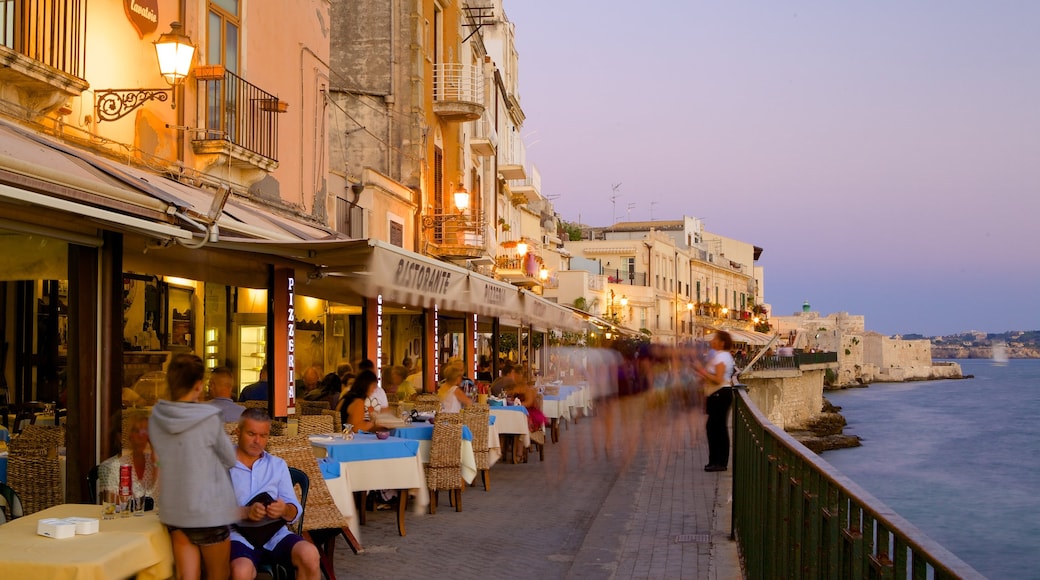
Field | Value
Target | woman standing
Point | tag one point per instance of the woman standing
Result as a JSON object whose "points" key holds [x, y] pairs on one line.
{"points": [[717, 377]]}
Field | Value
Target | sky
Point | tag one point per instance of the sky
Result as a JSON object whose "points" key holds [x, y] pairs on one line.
{"points": [[885, 155]]}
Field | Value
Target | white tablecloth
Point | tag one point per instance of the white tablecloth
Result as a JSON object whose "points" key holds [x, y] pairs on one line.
{"points": [[510, 422]]}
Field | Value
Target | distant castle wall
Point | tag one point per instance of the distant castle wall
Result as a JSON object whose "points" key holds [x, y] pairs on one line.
{"points": [[788, 401]]}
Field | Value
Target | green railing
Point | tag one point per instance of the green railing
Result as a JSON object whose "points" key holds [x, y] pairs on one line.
{"points": [[795, 516]]}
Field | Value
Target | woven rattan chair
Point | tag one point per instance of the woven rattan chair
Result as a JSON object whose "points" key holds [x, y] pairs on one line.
{"points": [[445, 468], [315, 425], [33, 473], [452, 418], [337, 423], [47, 436], [311, 407], [427, 403], [231, 429], [476, 418], [254, 404], [324, 521], [279, 428]]}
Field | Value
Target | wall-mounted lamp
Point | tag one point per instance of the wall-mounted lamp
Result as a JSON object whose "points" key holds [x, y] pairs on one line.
{"points": [[461, 199], [521, 247], [175, 53], [543, 274]]}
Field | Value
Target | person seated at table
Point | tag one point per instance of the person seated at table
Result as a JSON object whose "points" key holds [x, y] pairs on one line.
{"points": [[452, 397], [329, 390], [143, 476], [395, 384], [258, 390], [264, 491], [506, 382], [221, 386], [524, 390], [353, 407], [484, 370]]}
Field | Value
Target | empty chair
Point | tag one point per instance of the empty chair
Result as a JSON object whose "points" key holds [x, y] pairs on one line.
{"points": [[337, 422], [315, 424], [33, 472], [445, 468], [476, 418], [312, 407], [427, 403]]}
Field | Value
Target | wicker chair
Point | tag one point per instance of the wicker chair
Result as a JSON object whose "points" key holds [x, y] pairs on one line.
{"points": [[315, 424], [231, 429], [476, 418], [254, 404], [324, 521], [337, 422], [427, 403], [33, 472], [279, 428], [445, 469], [312, 407], [47, 436], [451, 418]]}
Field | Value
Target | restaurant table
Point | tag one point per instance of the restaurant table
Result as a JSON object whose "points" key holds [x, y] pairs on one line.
{"points": [[124, 547], [423, 433], [366, 463], [512, 420], [5, 435], [557, 409]]}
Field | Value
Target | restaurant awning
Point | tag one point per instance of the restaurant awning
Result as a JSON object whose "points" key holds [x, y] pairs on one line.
{"points": [[748, 336]]}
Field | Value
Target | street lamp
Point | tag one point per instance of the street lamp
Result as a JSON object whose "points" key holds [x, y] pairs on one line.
{"points": [[461, 198], [689, 310], [175, 53]]}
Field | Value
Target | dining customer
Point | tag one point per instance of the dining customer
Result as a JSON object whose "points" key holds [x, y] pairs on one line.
{"points": [[452, 397], [198, 502], [144, 474], [268, 502], [717, 376], [354, 406], [221, 386]]}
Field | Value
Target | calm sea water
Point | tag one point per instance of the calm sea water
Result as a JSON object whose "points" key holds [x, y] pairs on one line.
{"points": [[959, 459]]}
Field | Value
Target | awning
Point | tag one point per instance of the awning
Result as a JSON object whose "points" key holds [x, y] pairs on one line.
{"points": [[553, 316], [748, 336], [492, 297], [593, 323]]}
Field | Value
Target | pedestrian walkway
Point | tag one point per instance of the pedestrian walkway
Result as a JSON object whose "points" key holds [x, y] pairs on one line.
{"points": [[640, 506]]}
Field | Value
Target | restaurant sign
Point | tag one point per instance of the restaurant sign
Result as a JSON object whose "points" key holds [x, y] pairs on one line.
{"points": [[283, 371], [143, 15]]}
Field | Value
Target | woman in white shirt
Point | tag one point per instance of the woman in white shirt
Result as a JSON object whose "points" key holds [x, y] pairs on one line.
{"points": [[453, 399], [717, 376]]}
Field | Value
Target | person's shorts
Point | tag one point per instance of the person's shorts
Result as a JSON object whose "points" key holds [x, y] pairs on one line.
{"points": [[282, 551], [204, 536]]}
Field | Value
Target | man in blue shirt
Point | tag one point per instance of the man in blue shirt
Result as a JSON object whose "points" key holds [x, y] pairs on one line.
{"points": [[221, 385], [256, 391], [265, 492]]}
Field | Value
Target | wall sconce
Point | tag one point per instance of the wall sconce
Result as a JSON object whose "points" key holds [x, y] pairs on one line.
{"points": [[175, 53], [521, 247], [543, 274], [461, 199]]}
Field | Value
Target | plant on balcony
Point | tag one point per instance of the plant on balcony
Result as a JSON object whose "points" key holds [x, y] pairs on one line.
{"points": [[517, 199], [581, 303], [502, 225]]}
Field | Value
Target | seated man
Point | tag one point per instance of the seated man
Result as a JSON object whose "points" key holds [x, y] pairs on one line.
{"points": [[221, 386], [265, 492]]}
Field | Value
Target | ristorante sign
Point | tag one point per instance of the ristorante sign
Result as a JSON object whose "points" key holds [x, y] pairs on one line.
{"points": [[143, 15]]}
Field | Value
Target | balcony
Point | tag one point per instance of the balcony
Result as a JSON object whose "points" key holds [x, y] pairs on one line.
{"points": [[485, 142], [455, 235], [42, 50], [518, 270], [458, 92], [530, 187], [237, 119]]}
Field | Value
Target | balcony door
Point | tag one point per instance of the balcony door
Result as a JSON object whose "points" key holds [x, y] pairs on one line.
{"points": [[222, 47]]}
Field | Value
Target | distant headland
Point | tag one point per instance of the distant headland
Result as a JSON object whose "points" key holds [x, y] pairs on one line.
{"points": [[1016, 344]]}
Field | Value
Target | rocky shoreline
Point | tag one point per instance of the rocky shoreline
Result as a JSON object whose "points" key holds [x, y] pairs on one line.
{"points": [[826, 431]]}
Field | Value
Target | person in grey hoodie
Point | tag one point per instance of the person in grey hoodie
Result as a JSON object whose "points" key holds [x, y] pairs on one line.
{"points": [[194, 455]]}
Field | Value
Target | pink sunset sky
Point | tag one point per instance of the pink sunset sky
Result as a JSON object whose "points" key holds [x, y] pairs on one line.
{"points": [[885, 155]]}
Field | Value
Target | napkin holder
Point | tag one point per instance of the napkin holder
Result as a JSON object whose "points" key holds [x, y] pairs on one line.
{"points": [[56, 528], [85, 526]]}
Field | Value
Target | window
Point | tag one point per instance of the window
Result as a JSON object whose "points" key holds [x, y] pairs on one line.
{"points": [[222, 36], [397, 233]]}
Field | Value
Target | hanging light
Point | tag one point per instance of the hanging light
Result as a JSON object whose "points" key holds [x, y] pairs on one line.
{"points": [[175, 53], [543, 274], [521, 248], [461, 198]]}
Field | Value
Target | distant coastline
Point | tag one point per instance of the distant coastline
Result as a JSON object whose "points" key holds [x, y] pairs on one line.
{"points": [[980, 352]]}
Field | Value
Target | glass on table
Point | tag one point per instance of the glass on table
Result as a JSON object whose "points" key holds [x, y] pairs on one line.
{"points": [[109, 502]]}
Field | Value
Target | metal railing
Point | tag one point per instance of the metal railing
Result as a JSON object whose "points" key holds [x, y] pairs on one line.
{"points": [[53, 32], [459, 231], [458, 82], [619, 276], [234, 110], [795, 516]]}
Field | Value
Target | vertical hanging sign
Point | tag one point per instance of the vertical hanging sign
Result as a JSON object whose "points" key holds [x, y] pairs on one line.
{"points": [[143, 15], [284, 370]]}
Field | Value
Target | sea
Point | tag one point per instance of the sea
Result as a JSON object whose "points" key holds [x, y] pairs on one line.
{"points": [[959, 459]]}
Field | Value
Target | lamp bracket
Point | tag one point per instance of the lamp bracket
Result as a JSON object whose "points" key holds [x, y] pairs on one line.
{"points": [[429, 221], [115, 104]]}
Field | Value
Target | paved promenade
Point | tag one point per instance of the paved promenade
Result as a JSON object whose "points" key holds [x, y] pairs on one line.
{"points": [[641, 507]]}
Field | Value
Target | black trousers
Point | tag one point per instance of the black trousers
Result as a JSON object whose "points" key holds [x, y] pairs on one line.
{"points": [[717, 407]]}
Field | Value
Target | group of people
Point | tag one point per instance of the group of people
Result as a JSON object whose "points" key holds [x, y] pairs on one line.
{"points": [[227, 508]]}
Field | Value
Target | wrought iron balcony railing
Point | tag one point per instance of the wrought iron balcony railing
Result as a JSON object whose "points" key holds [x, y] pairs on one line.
{"points": [[53, 32], [233, 110]]}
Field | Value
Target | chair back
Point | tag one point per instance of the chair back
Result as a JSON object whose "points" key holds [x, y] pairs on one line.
{"points": [[315, 425], [296, 451], [300, 479], [49, 436], [12, 507], [92, 479], [427, 403], [33, 472], [452, 418], [445, 448], [311, 407], [254, 404], [337, 422], [476, 417]]}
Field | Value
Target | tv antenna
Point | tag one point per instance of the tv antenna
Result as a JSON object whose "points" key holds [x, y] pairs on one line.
{"points": [[613, 201], [652, 204], [628, 214]]}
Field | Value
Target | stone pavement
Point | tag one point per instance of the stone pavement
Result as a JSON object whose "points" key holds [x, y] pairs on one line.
{"points": [[641, 507]]}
